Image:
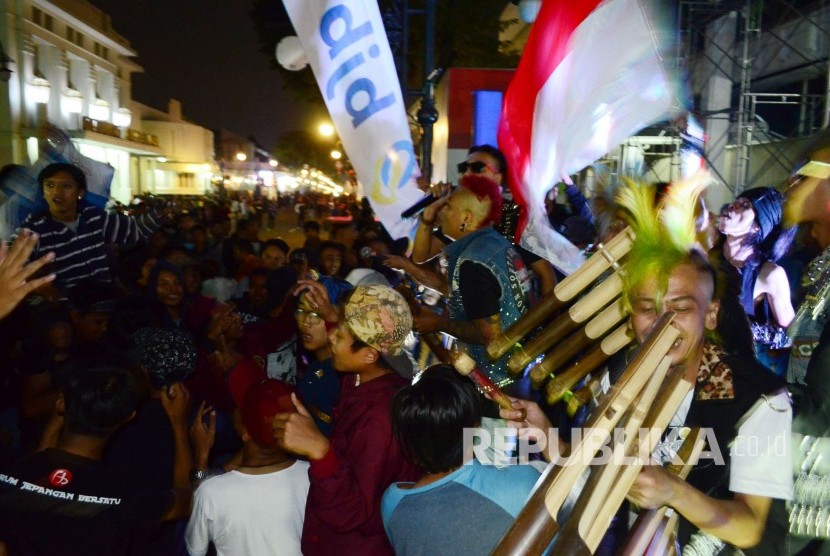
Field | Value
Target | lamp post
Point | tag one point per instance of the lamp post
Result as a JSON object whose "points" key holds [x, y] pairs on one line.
{"points": [[427, 114], [396, 21]]}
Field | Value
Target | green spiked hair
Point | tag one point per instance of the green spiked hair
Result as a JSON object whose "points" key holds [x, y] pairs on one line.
{"points": [[665, 233]]}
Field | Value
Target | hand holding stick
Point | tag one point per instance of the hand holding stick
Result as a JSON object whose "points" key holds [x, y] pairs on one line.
{"points": [[465, 365]]}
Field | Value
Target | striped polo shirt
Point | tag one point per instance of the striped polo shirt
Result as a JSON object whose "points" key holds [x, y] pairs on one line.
{"points": [[82, 254]]}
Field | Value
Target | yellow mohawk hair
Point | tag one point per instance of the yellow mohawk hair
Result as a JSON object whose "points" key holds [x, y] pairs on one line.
{"points": [[665, 232]]}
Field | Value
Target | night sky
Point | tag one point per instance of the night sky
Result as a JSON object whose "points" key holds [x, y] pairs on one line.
{"points": [[205, 54]]}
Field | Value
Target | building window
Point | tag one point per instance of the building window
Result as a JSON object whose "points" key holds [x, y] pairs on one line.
{"points": [[79, 39], [37, 16], [48, 22], [97, 49], [70, 34], [105, 53]]}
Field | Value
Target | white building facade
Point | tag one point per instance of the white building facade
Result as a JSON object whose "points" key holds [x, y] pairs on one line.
{"points": [[70, 69]]}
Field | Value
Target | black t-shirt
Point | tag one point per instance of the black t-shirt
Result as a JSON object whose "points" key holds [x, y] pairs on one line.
{"points": [[480, 290], [59, 503], [144, 448]]}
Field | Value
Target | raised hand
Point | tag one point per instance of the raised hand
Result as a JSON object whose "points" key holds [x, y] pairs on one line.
{"points": [[203, 435], [318, 296], [15, 271], [175, 399], [442, 191]]}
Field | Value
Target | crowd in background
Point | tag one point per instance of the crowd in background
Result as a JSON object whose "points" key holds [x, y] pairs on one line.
{"points": [[173, 341]]}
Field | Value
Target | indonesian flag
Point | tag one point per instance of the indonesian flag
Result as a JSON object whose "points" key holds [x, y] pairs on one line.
{"points": [[591, 75]]}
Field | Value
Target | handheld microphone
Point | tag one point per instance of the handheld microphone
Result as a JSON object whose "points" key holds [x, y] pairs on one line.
{"points": [[367, 252], [419, 206], [394, 276]]}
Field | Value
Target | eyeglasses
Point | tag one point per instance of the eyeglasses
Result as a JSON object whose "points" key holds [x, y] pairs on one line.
{"points": [[476, 167], [309, 316]]}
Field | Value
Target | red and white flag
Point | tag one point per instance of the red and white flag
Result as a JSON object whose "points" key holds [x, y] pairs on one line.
{"points": [[591, 75]]}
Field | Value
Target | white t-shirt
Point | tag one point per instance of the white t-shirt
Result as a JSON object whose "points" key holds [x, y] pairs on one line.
{"points": [[761, 453], [250, 514]]}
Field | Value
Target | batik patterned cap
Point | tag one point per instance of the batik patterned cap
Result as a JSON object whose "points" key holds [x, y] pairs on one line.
{"points": [[380, 317]]}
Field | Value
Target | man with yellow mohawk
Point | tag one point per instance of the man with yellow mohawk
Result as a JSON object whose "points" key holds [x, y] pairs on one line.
{"points": [[744, 410], [727, 498]]}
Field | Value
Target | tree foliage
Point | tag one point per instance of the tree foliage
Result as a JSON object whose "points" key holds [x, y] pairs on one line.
{"points": [[298, 147]]}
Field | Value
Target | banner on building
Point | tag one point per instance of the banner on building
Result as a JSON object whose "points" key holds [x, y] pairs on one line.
{"points": [[346, 46]]}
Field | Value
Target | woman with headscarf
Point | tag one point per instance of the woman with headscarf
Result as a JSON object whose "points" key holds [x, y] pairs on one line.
{"points": [[754, 240]]}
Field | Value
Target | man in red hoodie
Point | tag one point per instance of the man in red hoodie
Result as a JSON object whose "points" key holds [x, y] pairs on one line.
{"points": [[350, 471]]}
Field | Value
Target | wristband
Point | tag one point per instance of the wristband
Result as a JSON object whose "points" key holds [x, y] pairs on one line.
{"points": [[199, 475]]}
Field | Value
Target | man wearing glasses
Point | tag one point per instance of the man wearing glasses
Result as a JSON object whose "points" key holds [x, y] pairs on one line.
{"points": [[488, 161]]}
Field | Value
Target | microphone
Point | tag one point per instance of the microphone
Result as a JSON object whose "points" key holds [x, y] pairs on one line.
{"points": [[393, 275], [419, 206], [367, 252]]}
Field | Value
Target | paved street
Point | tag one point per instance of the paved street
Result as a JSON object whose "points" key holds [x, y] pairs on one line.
{"points": [[286, 228]]}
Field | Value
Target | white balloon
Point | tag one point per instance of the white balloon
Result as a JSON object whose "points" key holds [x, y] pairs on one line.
{"points": [[529, 9], [290, 54]]}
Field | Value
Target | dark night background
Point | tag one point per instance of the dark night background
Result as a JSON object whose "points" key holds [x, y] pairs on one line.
{"points": [[206, 53]]}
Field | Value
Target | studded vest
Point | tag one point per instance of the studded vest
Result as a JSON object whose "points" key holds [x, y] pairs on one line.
{"points": [[812, 315]]}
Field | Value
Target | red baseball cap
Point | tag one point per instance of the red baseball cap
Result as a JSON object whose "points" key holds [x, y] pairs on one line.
{"points": [[259, 398]]}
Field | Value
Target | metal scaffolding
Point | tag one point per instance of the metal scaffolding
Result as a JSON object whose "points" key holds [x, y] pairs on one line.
{"points": [[759, 78]]}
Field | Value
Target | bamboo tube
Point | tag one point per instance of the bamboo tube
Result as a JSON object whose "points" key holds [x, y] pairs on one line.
{"points": [[563, 292], [648, 522], [535, 525], [592, 498], [581, 311], [560, 384], [465, 365], [663, 543], [657, 420], [623, 393], [595, 329]]}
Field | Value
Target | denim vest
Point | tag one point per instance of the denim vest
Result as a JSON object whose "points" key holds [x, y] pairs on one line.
{"points": [[812, 315], [489, 248]]}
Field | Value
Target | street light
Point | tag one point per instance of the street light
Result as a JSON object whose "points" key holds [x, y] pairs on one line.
{"points": [[241, 157], [273, 163], [326, 129], [336, 155]]}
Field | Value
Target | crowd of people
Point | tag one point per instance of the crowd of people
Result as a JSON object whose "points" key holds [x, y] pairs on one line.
{"points": [[175, 383]]}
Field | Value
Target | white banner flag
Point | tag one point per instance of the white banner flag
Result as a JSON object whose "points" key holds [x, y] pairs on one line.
{"points": [[346, 45]]}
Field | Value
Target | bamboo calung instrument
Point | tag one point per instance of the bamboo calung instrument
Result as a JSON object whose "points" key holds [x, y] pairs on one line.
{"points": [[606, 257], [536, 524]]}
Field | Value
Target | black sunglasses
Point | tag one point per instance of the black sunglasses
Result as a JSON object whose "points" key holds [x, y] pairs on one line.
{"points": [[475, 167]]}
